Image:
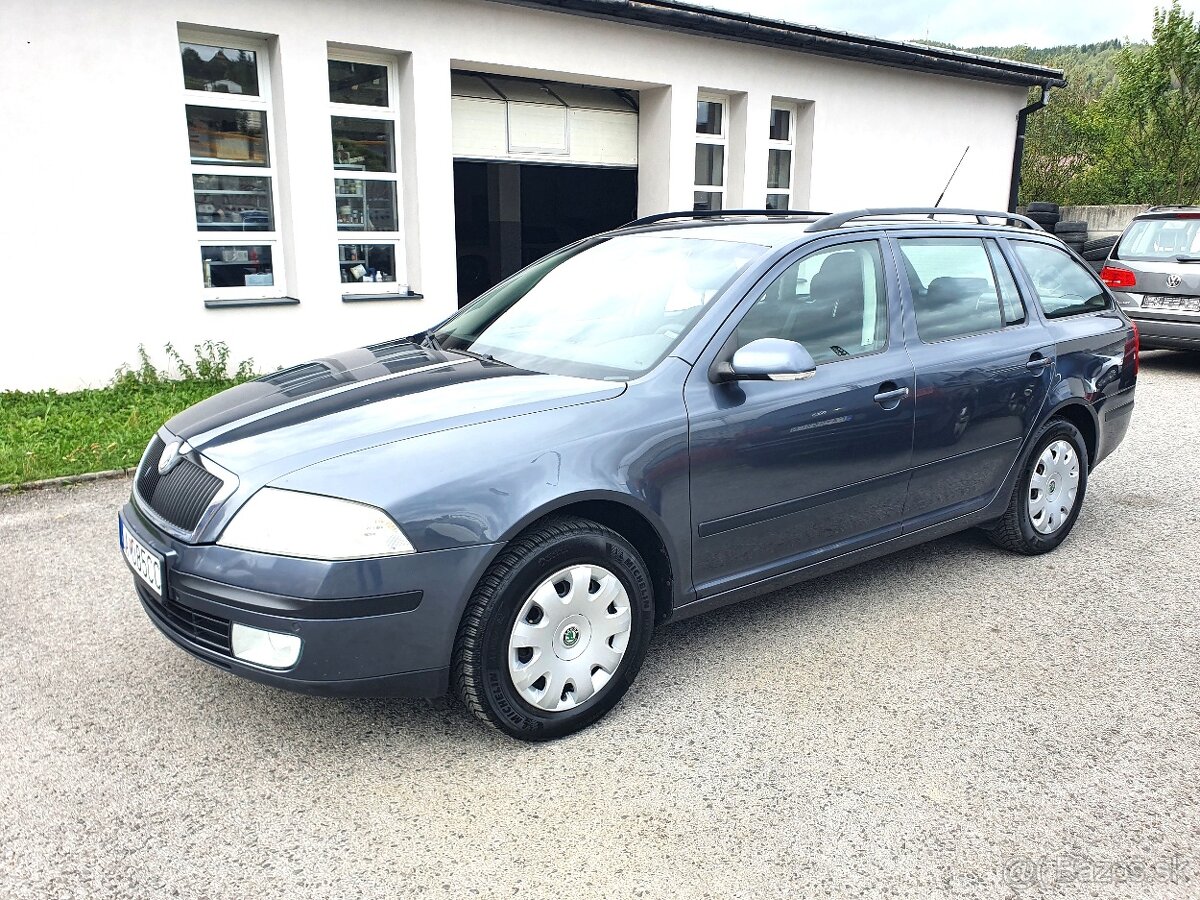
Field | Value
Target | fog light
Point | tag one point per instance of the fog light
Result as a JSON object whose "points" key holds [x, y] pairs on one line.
{"points": [[265, 648]]}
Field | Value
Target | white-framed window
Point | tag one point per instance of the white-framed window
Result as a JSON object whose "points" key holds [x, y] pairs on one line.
{"points": [[781, 155], [712, 144], [366, 187], [227, 106]]}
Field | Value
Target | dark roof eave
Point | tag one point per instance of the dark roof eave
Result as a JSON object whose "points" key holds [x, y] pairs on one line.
{"points": [[784, 35]]}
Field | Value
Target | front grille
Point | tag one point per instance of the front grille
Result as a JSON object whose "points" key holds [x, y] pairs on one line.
{"points": [[210, 632], [183, 494]]}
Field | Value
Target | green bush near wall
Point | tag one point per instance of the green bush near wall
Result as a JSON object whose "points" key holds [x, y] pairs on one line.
{"points": [[45, 434]]}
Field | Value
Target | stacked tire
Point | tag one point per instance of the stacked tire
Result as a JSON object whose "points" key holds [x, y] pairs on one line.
{"points": [[1096, 252], [1073, 234], [1045, 214]]}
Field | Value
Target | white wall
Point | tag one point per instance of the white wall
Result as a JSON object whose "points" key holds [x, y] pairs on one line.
{"points": [[98, 248]]}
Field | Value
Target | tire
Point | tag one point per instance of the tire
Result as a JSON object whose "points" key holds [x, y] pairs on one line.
{"points": [[507, 605], [1104, 244], [1071, 227], [1016, 530], [1039, 207]]}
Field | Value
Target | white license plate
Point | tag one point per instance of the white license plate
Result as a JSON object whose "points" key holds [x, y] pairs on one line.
{"points": [[1183, 304], [146, 564]]}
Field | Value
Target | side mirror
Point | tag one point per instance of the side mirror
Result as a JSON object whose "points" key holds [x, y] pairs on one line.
{"points": [[771, 359]]}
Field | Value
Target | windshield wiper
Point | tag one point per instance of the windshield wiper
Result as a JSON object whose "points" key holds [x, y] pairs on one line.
{"points": [[1187, 259], [430, 339], [482, 357]]}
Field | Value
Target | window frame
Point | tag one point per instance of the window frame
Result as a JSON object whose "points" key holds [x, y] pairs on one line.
{"points": [[264, 104], [389, 113], [793, 111], [721, 140], [1031, 287]]}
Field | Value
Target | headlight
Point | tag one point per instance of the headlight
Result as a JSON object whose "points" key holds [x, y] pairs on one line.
{"points": [[289, 523]]}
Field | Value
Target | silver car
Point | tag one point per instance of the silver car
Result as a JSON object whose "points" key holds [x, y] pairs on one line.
{"points": [[1154, 271]]}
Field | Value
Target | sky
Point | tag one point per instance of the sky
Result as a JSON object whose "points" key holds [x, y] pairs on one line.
{"points": [[970, 23]]}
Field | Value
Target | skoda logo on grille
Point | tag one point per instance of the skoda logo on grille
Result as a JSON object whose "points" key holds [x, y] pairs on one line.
{"points": [[171, 455], [1174, 281]]}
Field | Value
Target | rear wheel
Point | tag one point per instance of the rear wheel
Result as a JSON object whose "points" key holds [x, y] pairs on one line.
{"points": [[556, 631], [1048, 494]]}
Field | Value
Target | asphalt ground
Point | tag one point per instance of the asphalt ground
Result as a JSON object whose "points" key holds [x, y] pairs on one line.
{"points": [[950, 721]]}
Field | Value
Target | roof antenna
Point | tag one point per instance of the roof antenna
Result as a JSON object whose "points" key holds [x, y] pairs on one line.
{"points": [[951, 178]]}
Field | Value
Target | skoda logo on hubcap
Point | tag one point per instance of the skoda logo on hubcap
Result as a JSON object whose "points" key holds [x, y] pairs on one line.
{"points": [[570, 637]]}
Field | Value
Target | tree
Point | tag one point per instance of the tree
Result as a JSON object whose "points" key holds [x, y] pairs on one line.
{"points": [[1126, 129], [1156, 99]]}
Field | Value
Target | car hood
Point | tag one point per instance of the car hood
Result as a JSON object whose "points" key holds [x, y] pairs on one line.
{"points": [[363, 398]]}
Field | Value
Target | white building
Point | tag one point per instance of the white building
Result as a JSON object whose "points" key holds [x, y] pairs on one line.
{"points": [[297, 176]]}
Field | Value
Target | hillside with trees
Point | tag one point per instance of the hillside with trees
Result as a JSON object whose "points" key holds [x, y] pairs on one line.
{"points": [[1126, 128]]}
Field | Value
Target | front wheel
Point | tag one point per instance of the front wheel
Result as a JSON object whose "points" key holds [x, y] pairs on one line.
{"points": [[556, 630], [1048, 494]]}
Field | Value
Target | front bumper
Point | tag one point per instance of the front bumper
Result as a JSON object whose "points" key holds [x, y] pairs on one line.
{"points": [[378, 627]]}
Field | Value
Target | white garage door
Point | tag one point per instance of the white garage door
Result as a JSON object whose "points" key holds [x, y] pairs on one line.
{"points": [[497, 118]]}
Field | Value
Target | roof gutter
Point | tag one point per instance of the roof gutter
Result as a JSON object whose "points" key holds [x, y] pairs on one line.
{"points": [[682, 17], [1014, 187]]}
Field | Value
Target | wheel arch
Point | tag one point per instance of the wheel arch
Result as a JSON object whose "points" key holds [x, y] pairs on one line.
{"points": [[1083, 417], [637, 525]]}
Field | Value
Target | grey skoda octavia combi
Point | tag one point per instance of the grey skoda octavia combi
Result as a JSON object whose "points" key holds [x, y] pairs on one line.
{"points": [[649, 424]]}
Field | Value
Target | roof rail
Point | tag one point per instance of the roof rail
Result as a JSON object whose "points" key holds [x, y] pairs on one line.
{"points": [[1172, 206], [837, 220], [719, 213]]}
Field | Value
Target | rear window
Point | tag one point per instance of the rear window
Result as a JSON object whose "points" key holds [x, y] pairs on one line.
{"points": [[1064, 287], [1161, 239]]}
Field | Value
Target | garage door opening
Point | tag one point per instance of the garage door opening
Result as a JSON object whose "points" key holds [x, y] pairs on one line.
{"points": [[538, 165], [508, 215]]}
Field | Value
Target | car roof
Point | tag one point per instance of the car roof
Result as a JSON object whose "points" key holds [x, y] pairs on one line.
{"points": [[1167, 212]]}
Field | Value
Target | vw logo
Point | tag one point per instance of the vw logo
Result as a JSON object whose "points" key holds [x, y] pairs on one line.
{"points": [[171, 455], [1174, 281]]}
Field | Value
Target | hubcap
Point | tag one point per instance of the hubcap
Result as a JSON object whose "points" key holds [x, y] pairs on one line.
{"points": [[1054, 487], [569, 637]]}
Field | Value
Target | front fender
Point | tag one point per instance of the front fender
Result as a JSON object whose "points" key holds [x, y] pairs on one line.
{"points": [[484, 483]]}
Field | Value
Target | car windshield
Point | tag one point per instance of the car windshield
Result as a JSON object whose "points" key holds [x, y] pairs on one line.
{"points": [[609, 309], [1161, 239]]}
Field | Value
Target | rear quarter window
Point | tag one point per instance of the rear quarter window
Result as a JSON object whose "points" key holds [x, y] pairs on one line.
{"points": [[1063, 286]]}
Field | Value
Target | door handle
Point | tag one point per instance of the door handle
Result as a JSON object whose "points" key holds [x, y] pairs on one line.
{"points": [[895, 396], [1038, 362]]}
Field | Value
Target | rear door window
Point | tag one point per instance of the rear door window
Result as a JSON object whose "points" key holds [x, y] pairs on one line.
{"points": [[959, 286], [1063, 286]]}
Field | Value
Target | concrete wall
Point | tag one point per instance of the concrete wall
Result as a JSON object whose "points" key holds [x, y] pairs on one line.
{"points": [[99, 251], [1102, 221]]}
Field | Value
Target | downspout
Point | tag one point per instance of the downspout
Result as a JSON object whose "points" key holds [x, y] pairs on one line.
{"points": [[1019, 149]]}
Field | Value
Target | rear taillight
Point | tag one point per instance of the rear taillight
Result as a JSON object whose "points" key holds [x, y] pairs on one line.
{"points": [[1133, 346], [1116, 277]]}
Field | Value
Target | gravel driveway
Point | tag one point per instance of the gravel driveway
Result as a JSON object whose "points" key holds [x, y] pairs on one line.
{"points": [[951, 721]]}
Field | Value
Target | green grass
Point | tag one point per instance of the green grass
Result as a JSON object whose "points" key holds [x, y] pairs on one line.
{"points": [[46, 434]]}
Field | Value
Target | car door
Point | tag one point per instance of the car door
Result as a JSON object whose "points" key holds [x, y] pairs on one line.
{"points": [[788, 472], [984, 364]]}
